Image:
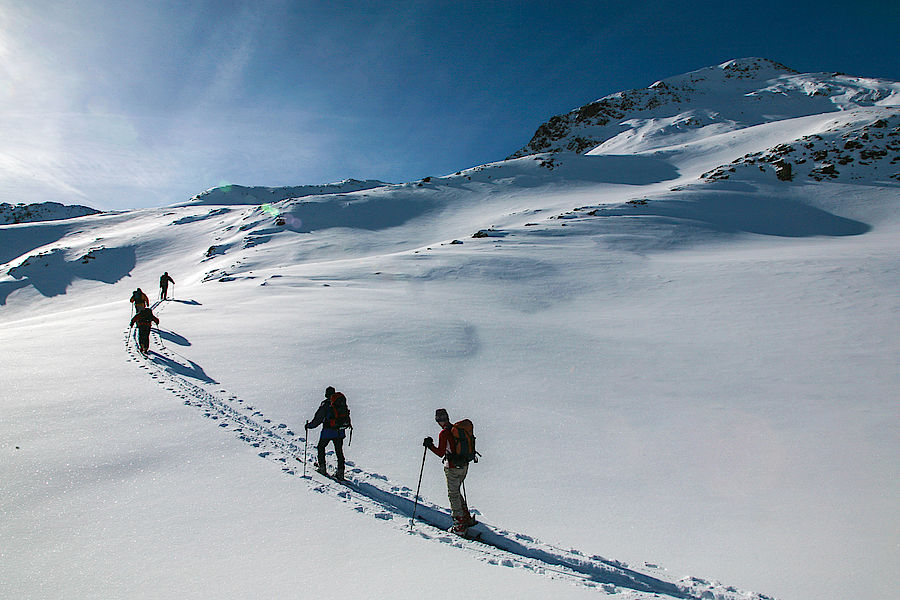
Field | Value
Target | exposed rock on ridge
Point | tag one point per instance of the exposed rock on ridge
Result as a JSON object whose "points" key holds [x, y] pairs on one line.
{"points": [[733, 95]]}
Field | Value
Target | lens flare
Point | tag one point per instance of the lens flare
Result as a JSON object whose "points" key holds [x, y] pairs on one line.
{"points": [[283, 218]]}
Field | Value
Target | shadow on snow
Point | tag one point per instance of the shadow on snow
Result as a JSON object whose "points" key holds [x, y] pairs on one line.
{"points": [[191, 370], [738, 211], [51, 274], [171, 336], [595, 569]]}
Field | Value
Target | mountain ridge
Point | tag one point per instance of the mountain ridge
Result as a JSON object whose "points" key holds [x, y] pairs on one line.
{"points": [[12, 214], [735, 94]]}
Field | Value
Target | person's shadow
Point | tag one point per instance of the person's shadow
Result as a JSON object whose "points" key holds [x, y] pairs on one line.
{"points": [[171, 336]]}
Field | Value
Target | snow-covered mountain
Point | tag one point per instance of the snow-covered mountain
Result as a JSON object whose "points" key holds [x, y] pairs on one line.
{"points": [[41, 211], [239, 194], [735, 95], [672, 318]]}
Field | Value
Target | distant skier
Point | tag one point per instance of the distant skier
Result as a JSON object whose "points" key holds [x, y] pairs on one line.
{"points": [[144, 321], [164, 285], [140, 300], [456, 445], [334, 416]]}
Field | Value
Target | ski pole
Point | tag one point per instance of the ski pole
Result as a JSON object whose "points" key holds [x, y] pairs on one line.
{"points": [[418, 487], [305, 444]]}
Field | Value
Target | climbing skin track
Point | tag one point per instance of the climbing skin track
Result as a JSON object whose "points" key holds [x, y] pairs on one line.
{"points": [[375, 495]]}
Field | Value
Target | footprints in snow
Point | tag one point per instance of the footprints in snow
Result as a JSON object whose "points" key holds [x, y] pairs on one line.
{"points": [[367, 493]]}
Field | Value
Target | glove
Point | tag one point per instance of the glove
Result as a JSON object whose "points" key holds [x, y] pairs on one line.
{"points": [[306, 426], [428, 442]]}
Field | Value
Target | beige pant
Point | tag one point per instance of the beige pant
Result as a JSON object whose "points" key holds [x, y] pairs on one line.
{"points": [[455, 477]]}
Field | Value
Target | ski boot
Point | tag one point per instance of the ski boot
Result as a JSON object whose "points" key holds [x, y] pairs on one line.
{"points": [[460, 525]]}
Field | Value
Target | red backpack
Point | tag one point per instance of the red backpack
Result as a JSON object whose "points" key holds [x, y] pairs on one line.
{"points": [[462, 443], [339, 418]]}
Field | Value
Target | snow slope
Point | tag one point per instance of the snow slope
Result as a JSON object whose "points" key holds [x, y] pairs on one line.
{"points": [[678, 363]]}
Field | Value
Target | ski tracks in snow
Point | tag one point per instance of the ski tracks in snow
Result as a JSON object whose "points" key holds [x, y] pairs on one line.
{"points": [[374, 495]]}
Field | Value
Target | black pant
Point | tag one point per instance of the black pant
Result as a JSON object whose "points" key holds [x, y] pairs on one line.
{"points": [[144, 336], [338, 450]]}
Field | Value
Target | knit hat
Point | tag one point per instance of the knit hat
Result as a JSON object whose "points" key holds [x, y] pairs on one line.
{"points": [[441, 415], [329, 392]]}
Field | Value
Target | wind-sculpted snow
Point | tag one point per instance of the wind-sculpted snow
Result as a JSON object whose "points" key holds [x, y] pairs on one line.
{"points": [[395, 504], [194, 218], [51, 273], [356, 212], [18, 240], [727, 209]]}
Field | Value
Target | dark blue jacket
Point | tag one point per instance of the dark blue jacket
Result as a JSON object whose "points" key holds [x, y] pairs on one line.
{"points": [[324, 413]]}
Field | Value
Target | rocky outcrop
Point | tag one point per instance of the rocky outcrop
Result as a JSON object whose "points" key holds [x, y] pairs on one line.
{"points": [[859, 151]]}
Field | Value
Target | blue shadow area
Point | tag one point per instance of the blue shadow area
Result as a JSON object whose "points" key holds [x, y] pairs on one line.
{"points": [[359, 213], [171, 336], [595, 569], [625, 169], [8, 287], [19, 240], [192, 370], [51, 274], [733, 212]]}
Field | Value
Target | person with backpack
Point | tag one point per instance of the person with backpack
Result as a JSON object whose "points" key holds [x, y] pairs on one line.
{"points": [[334, 417], [144, 321], [164, 281], [456, 445], [140, 300]]}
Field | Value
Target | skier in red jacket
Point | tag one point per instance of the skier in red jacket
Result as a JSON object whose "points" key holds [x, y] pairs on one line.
{"points": [[455, 469]]}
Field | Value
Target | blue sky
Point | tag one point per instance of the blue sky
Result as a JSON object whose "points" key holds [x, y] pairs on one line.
{"points": [[124, 104]]}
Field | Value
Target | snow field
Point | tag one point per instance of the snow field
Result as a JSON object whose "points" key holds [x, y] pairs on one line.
{"points": [[690, 377]]}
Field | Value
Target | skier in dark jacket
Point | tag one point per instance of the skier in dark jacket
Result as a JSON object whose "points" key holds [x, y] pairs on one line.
{"points": [[331, 432], [144, 321], [140, 300], [164, 281]]}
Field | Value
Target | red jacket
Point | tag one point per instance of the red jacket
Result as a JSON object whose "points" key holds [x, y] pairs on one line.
{"points": [[443, 447]]}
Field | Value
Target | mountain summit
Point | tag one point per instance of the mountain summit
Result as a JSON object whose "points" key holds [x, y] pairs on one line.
{"points": [[733, 95]]}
